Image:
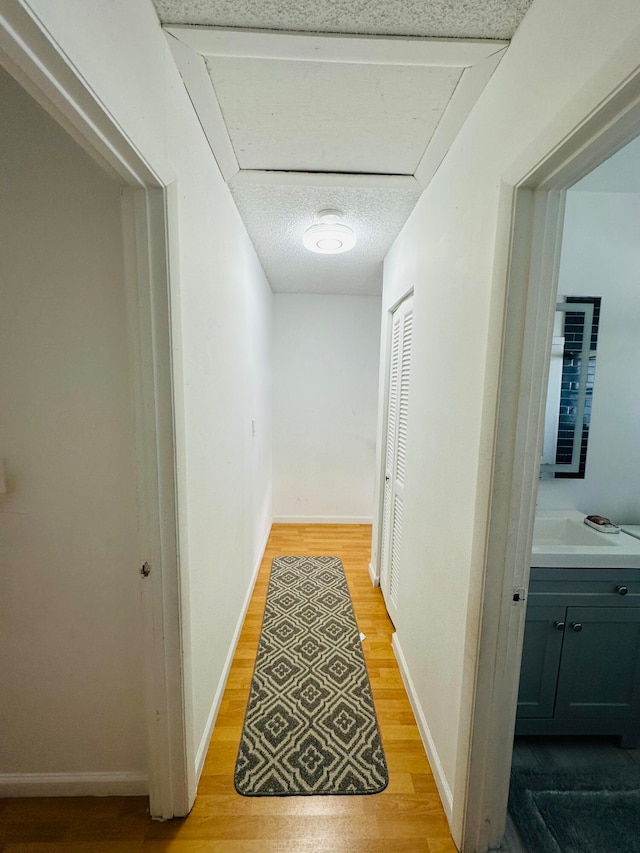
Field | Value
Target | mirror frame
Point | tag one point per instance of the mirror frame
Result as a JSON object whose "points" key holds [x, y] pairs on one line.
{"points": [[547, 470]]}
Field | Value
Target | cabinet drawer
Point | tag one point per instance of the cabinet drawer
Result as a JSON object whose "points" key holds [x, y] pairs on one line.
{"points": [[585, 587]]}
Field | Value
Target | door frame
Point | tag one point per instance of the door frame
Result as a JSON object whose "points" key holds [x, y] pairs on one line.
{"points": [[529, 237], [36, 61]]}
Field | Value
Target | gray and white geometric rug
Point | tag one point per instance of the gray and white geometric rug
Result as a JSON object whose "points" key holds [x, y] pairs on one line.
{"points": [[310, 725]]}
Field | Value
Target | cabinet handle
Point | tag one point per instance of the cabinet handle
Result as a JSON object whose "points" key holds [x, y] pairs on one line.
{"points": [[559, 625], [622, 590], [577, 626]]}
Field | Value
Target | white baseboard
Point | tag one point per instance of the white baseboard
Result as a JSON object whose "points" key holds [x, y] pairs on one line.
{"points": [[322, 519], [430, 748], [375, 579], [201, 753], [126, 784]]}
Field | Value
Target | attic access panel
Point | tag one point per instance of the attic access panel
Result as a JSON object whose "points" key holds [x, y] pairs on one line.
{"points": [[267, 100], [330, 116]]}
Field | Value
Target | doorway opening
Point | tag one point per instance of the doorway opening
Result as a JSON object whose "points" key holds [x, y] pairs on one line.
{"points": [[533, 215], [37, 63], [578, 718]]}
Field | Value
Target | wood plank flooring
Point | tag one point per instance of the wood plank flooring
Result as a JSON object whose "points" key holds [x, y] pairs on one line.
{"points": [[406, 818]]}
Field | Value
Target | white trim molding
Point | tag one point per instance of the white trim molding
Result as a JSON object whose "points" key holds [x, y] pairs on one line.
{"points": [[332, 47], [256, 177], [144, 214], [467, 92], [444, 789], [125, 784], [198, 84], [322, 519]]}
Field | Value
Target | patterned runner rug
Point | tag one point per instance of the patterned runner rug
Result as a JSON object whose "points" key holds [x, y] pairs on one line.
{"points": [[310, 725]]}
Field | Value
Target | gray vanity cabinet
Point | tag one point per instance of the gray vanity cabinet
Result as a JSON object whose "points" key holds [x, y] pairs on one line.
{"points": [[540, 661], [580, 669]]}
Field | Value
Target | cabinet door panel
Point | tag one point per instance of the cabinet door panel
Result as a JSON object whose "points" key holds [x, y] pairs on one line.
{"points": [[540, 661], [600, 667]]}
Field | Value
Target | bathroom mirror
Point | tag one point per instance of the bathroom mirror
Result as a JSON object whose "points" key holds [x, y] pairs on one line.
{"points": [[570, 388]]}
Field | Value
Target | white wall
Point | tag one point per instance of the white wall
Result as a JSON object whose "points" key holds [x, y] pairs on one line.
{"points": [[221, 306], [326, 355], [447, 252], [601, 257], [70, 657], [224, 339]]}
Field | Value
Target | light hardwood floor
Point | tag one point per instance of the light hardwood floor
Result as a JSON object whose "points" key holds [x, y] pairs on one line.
{"points": [[406, 818]]}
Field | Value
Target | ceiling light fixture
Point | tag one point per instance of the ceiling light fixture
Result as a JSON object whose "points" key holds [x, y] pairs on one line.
{"points": [[330, 237]]}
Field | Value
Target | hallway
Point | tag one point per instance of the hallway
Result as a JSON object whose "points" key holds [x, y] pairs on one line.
{"points": [[407, 816]]}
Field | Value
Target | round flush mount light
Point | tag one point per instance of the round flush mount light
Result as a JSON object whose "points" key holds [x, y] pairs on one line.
{"points": [[330, 236]]}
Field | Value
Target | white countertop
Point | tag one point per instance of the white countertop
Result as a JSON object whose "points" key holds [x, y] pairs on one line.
{"points": [[562, 539]]}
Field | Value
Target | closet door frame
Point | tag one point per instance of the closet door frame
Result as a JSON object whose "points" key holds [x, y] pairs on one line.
{"points": [[395, 412]]}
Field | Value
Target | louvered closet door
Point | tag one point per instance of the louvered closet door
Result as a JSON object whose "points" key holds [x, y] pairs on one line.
{"points": [[396, 454]]}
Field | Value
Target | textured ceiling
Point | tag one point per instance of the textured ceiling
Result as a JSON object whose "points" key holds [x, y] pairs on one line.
{"points": [[336, 120], [276, 217], [477, 19]]}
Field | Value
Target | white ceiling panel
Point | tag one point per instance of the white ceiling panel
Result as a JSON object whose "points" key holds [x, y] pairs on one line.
{"points": [[329, 116]]}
